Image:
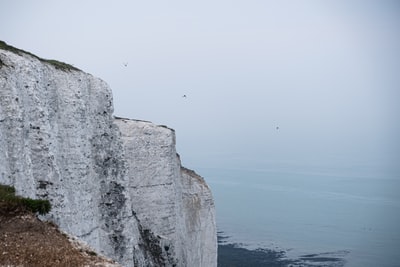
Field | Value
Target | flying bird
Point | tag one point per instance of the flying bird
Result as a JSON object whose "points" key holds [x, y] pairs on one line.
{"points": [[277, 127], [184, 96], [125, 64]]}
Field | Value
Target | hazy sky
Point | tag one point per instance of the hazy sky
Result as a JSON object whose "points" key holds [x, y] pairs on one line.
{"points": [[325, 72]]}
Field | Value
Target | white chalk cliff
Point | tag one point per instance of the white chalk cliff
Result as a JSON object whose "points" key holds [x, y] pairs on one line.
{"points": [[115, 183]]}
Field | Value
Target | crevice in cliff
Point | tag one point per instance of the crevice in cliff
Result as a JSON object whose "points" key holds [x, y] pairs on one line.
{"points": [[150, 243], [88, 233], [151, 185], [153, 246], [112, 203]]}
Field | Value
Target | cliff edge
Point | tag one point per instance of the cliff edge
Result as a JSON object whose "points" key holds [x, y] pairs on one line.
{"points": [[117, 184]]}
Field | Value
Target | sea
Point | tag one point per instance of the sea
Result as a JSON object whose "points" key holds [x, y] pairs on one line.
{"points": [[318, 216]]}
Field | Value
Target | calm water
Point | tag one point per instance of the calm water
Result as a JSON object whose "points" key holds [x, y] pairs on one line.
{"points": [[354, 215]]}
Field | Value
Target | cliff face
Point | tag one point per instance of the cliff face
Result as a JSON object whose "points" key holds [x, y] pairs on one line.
{"points": [[181, 205], [117, 184]]}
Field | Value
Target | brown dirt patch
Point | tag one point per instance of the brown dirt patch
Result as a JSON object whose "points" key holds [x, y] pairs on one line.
{"points": [[27, 241]]}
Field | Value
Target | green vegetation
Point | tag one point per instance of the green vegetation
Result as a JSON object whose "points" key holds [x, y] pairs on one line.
{"points": [[57, 64], [10, 203], [91, 253], [5, 46]]}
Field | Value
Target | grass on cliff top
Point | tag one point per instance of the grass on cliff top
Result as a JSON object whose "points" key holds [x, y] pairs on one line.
{"points": [[11, 203], [57, 64]]}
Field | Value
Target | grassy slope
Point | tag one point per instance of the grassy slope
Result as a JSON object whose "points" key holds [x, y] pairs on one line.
{"points": [[57, 64]]}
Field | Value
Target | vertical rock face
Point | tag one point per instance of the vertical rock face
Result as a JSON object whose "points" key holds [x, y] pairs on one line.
{"points": [[198, 206], [180, 202], [115, 183]]}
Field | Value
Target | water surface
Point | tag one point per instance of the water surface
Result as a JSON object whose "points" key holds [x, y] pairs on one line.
{"points": [[311, 212]]}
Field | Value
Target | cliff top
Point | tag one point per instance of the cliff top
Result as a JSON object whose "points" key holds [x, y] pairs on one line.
{"points": [[57, 64], [194, 175], [144, 121]]}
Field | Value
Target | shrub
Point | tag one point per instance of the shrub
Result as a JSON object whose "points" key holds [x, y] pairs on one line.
{"points": [[41, 206], [6, 189], [12, 203]]}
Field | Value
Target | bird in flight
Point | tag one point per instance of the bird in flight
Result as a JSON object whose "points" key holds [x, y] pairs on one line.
{"points": [[277, 127], [125, 64], [184, 96]]}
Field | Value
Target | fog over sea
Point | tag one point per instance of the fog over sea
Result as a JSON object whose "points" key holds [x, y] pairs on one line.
{"points": [[344, 216]]}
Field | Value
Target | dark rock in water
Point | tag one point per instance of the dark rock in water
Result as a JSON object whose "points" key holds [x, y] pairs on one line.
{"points": [[332, 259], [231, 255]]}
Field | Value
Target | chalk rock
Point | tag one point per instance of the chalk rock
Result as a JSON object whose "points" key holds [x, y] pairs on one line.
{"points": [[172, 201], [116, 184]]}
